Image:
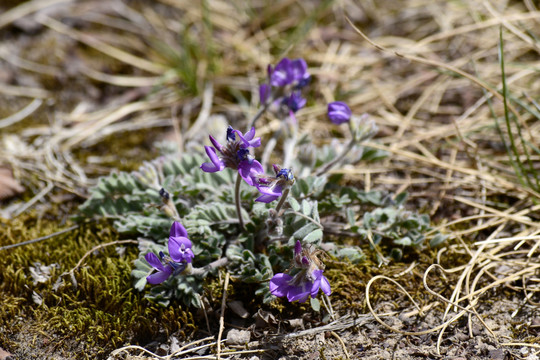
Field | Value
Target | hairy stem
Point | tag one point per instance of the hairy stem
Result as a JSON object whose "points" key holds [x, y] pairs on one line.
{"points": [[340, 157], [213, 265], [282, 200], [261, 111], [237, 201]]}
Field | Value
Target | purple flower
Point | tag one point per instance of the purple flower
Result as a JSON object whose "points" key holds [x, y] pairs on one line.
{"points": [[179, 244], [163, 271], [306, 282], [272, 188], [339, 112], [264, 93], [289, 72], [235, 155], [299, 74], [295, 101], [180, 254], [281, 75]]}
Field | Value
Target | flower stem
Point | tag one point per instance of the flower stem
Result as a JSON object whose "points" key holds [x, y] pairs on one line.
{"points": [[282, 200], [237, 201], [261, 111], [221, 262], [340, 157]]}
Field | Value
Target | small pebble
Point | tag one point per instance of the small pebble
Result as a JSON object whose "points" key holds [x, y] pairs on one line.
{"points": [[238, 337]]}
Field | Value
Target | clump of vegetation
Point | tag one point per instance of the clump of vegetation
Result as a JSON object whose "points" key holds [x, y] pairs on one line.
{"points": [[215, 220], [412, 226]]}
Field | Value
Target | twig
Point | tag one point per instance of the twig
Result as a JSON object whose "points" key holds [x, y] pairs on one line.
{"points": [[222, 315], [40, 238], [213, 265], [100, 246], [22, 114], [35, 199], [334, 334]]}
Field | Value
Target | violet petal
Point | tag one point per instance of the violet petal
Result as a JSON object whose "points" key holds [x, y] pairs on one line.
{"points": [[279, 284], [339, 112], [159, 277], [178, 230], [154, 261]]}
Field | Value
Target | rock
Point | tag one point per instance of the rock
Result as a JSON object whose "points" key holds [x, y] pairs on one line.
{"points": [[238, 337], [238, 308], [497, 354]]}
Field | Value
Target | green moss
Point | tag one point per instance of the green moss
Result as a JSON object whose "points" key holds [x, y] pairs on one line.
{"points": [[99, 314]]}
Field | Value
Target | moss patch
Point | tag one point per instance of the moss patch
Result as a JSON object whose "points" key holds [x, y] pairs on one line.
{"points": [[99, 314]]}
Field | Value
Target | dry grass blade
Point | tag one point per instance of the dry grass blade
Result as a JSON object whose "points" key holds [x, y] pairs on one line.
{"points": [[103, 47], [27, 8]]}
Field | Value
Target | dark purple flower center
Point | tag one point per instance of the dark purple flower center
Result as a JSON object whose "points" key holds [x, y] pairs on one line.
{"points": [[242, 154], [303, 82], [231, 135], [286, 174]]}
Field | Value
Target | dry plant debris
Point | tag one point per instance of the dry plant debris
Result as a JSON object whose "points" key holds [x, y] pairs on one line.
{"points": [[78, 76]]}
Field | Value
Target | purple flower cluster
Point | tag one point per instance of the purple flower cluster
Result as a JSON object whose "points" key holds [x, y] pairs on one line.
{"points": [[180, 255], [284, 84], [306, 282], [235, 155]]}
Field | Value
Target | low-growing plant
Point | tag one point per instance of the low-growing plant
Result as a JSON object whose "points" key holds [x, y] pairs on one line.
{"points": [[194, 216]]}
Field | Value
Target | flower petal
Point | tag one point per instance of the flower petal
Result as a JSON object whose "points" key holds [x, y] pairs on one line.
{"points": [[159, 277], [325, 285], [249, 170], [297, 248], [248, 140], [299, 292], [189, 255], [316, 283], [339, 112], [178, 230], [214, 142], [275, 190], [266, 198], [154, 261], [177, 248], [281, 75], [279, 284], [298, 69], [264, 93], [216, 164]]}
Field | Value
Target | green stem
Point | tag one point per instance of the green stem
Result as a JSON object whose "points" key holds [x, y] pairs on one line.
{"points": [[521, 172], [237, 201], [282, 200], [340, 157], [261, 111]]}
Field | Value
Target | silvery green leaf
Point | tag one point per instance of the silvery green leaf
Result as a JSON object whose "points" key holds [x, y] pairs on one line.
{"points": [[306, 207], [437, 240], [315, 304], [294, 204], [313, 237], [405, 241], [401, 198], [304, 231], [351, 216], [139, 284], [354, 254]]}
